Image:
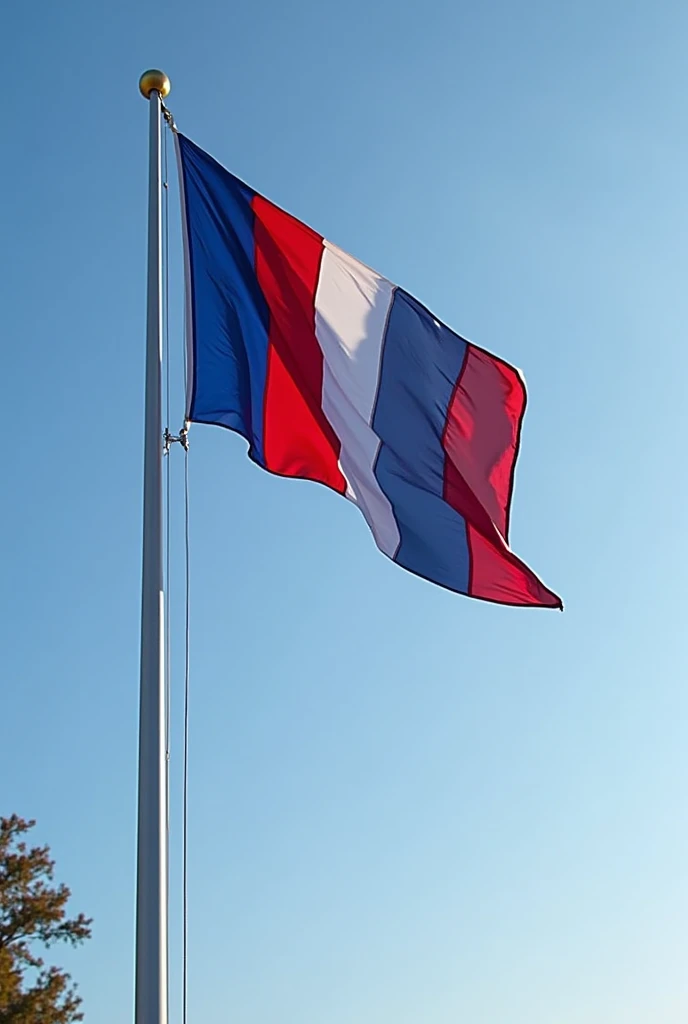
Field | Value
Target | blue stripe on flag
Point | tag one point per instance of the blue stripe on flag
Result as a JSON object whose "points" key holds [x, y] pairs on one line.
{"points": [[229, 313], [421, 362]]}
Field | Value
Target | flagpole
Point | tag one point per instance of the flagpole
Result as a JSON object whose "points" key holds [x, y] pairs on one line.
{"points": [[152, 845]]}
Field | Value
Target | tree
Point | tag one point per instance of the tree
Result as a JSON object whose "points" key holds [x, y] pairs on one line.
{"points": [[33, 912]]}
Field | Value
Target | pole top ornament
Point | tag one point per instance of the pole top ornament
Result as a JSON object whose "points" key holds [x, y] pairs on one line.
{"points": [[154, 81]]}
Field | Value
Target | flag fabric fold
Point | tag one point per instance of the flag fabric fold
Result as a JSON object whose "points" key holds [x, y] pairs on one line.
{"points": [[334, 374]]}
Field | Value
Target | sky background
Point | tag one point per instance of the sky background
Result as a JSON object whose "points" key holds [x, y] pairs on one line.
{"points": [[404, 806]]}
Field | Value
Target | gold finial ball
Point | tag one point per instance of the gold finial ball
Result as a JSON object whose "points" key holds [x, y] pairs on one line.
{"points": [[154, 81]]}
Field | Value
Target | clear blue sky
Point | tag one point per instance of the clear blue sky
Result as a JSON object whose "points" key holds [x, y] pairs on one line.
{"points": [[405, 807]]}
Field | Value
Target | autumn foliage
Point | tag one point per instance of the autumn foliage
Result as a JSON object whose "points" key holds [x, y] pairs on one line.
{"points": [[33, 915]]}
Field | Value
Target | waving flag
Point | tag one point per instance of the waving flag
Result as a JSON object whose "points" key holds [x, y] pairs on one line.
{"points": [[333, 374]]}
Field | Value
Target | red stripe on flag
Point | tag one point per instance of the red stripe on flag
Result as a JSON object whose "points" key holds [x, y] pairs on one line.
{"points": [[298, 439], [481, 444], [483, 424], [498, 575]]}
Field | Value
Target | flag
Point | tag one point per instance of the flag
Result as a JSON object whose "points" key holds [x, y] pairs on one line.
{"points": [[334, 374]]}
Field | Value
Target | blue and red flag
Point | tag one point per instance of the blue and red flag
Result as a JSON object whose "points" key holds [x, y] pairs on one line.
{"points": [[334, 374]]}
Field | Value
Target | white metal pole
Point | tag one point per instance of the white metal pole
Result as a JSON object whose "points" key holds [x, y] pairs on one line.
{"points": [[151, 886]]}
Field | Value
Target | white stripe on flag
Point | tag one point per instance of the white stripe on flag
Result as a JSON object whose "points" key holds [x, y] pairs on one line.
{"points": [[352, 304]]}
